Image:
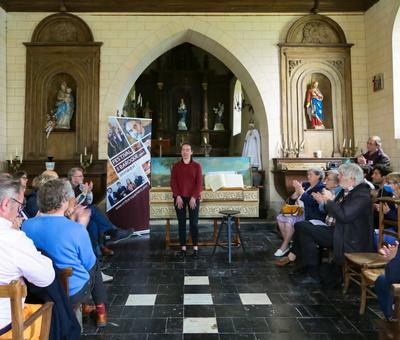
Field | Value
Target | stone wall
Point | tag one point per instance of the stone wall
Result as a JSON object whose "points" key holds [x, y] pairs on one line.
{"points": [[247, 44], [379, 25], [3, 86]]}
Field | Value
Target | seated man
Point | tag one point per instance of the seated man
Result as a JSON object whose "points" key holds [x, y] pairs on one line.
{"points": [[99, 224], [374, 155], [18, 256], [348, 226], [68, 244], [392, 275]]}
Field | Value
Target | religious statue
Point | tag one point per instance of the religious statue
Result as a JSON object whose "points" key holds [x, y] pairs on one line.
{"points": [[314, 106], [252, 146], [147, 112], [64, 109], [219, 111], [182, 112]]}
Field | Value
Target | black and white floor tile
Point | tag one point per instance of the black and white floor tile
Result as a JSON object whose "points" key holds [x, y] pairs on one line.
{"points": [[155, 295]]}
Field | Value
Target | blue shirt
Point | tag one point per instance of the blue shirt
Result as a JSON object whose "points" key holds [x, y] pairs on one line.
{"points": [[66, 242]]}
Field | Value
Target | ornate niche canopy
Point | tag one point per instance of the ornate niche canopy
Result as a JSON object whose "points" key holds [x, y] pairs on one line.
{"points": [[316, 51], [62, 75]]}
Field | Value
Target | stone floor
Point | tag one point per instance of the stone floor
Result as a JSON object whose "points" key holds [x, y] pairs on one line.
{"points": [[156, 296]]}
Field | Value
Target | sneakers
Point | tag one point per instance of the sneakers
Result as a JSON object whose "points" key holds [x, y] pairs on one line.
{"points": [[106, 278], [120, 235], [281, 252]]}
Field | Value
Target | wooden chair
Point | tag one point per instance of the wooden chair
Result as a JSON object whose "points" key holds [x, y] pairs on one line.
{"points": [[16, 291], [357, 263], [65, 274], [390, 330]]}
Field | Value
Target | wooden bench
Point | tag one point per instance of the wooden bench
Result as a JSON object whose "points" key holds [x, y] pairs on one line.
{"points": [[15, 291]]}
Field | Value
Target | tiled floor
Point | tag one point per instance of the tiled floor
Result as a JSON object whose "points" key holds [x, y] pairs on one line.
{"points": [[156, 296]]}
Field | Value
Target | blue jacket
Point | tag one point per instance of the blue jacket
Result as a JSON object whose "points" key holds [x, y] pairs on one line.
{"points": [[311, 206]]}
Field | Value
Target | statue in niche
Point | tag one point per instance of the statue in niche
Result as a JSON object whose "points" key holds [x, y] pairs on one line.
{"points": [[60, 117], [219, 112], [147, 112], [182, 112], [314, 100]]}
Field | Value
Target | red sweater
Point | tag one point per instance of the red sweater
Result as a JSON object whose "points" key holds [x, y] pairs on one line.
{"points": [[186, 179]]}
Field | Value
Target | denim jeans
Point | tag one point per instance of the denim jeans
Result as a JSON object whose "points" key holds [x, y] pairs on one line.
{"points": [[97, 226], [193, 221], [385, 297]]}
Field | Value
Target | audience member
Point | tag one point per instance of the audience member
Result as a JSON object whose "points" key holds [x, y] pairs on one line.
{"points": [[302, 196], [374, 155], [392, 275], [348, 226], [72, 249], [22, 177], [18, 256]]}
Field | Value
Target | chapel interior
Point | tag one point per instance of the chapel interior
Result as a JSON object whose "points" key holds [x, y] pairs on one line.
{"points": [[208, 73]]}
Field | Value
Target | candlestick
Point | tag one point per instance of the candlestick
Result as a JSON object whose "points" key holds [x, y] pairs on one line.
{"points": [[350, 143], [16, 152], [80, 158], [91, 158], [344, 142], [85, 151]]}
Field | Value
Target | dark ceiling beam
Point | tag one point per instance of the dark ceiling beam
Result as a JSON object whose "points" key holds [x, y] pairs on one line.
{"points": [[199, 6]]}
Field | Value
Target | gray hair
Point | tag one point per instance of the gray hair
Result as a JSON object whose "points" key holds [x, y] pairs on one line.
{"points": [[377, 140], [9, 188], [317, 171], [335, 175], [73, 171], [51, 195], [353, 171]]}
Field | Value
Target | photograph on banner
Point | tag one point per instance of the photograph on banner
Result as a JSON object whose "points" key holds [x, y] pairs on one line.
{"points": [[135, 129], [117, 140], [125, 186]]}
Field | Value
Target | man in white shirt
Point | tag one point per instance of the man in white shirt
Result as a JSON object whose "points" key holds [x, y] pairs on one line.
{"points": [[18, 255]]}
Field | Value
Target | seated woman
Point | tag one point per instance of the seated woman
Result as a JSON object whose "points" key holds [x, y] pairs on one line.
{"points": [[68, 244], [331, 184], [303, 195], [389, 209], [392, 275]]}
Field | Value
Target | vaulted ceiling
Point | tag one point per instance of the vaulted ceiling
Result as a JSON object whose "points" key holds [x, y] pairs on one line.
{"points": [[199, 6]]}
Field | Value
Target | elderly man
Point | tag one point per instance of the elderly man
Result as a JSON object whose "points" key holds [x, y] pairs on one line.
{"points": [[72, 249], [374, 155], [18, 256], [348, 225], [99, 224]]}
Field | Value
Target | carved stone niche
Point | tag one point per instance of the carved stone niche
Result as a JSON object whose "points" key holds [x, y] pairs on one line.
{"points": [[316, 50], [62, 49]]}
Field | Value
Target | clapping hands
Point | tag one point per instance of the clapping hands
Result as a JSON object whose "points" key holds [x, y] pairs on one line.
{"points": [[389, 251]]}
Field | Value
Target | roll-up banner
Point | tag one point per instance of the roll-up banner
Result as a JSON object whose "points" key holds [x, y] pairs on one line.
{"points": [[128, 172]]}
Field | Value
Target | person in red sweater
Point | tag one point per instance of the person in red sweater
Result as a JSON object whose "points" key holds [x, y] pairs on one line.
{"points": [[186, 185]]}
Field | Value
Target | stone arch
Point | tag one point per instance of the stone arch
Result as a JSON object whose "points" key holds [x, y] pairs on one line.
{"points": [[396, 73], [200, 34]]}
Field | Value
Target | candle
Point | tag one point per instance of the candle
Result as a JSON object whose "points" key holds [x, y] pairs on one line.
{"points": [[350, 143], [20, 159], [16, 152], [91, 158], [344, 142], [85, 151], [11, 159], [81, 158]]}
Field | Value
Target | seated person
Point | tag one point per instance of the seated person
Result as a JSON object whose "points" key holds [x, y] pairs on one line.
{"points": [[347, 226], [22, 177], [392, 188], [392, 275], [31, 208], [302, 196], [99, 224], [18, 256], [331, 184], [373, 156], [72, 247]]}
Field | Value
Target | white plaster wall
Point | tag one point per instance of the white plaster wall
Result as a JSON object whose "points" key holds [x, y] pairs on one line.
{"points": [[247, 44], [379, 23], [3, 86]]}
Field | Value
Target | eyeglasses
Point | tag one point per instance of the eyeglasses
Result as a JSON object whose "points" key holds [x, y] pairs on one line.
{"points": [[21, 204], [77, 176]]}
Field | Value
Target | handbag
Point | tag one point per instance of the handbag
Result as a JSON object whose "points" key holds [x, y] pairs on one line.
{"points": [[291, 209]]}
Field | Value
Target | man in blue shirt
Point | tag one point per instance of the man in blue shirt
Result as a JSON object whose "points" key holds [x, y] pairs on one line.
{"points": [[68, 244]]}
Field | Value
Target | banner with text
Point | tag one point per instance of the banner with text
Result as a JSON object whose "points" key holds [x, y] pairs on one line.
{"points": [[128, 172]]}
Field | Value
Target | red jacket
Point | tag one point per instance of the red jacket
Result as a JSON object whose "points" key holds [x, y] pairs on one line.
{"points": [[186, 179]]}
